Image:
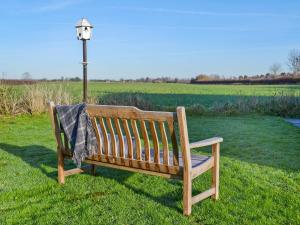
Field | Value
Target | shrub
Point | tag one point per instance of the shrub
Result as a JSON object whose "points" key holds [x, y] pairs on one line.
{"points": [[196, 109], [130, 99]]}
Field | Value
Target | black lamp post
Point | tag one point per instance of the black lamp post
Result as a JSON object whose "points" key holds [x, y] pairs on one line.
{"points": [[84, 33]]}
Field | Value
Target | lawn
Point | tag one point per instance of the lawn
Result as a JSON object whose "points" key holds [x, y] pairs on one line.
{"points": [[184, 94], [259, 178]]}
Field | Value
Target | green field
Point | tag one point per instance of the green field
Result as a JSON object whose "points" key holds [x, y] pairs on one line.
{"points": [[184, 94], [96, 88], [259, 177], [275, 100]]}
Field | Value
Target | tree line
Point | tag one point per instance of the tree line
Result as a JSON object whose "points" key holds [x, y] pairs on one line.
{"points": [[275, 75]]}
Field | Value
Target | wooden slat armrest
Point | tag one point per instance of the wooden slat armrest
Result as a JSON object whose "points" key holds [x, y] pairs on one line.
{"points": [[206, 142]]}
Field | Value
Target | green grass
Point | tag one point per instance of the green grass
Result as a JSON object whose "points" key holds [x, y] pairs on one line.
{"points": [[184, 94], [260, 178]]}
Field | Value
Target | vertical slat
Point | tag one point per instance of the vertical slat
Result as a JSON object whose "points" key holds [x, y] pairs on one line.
{"points": [[137, 139], [60, 166], [60, 156], [186, 158], [146, 140], [98, 137], [105, 137], [174, 142], [120, 137], [215, 170], [164, 140], [112, 136], [155, 141], [55, 124], [128, 138]]}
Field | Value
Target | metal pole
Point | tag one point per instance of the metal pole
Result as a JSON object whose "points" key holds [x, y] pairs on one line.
{"points": [[84, 64]]}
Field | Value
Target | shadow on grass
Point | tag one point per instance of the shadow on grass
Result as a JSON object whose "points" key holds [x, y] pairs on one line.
{"points": [[34, 155], [169, 199], [38, 156]]}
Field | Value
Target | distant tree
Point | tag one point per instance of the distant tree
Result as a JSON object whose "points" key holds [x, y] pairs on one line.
{"points": [[215, 77], [294, 60], [202, 77], [283, 74], [268, 75], [275, 68], [75, 79], [26, 76]]}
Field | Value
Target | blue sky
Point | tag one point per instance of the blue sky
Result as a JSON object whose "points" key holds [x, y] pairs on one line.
{"points": [[147, 38]]}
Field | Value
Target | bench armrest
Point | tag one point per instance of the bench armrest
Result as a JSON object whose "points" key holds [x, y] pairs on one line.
{"points": [[206, 142]]}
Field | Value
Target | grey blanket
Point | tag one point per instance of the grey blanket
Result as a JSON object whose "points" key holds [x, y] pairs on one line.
{"points": [[79, 130]]}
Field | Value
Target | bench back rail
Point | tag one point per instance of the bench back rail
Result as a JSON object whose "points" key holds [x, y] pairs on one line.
{"points": [[128, 136]]}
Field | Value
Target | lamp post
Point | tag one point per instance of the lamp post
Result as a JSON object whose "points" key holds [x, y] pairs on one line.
{"points": [[84, 33]]}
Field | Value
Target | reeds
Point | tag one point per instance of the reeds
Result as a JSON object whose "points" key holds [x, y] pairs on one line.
{"points": [[32, 99], [9, 101]]}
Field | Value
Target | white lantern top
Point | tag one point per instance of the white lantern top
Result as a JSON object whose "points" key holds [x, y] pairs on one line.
{"points": [[84, 29]]}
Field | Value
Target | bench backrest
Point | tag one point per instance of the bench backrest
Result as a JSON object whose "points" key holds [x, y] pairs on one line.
{"points": [[131, 137]]}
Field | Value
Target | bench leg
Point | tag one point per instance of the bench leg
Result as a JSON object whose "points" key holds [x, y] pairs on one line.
{"points": [[215, 170], [93, 169], [187, 194], [60, 167]]}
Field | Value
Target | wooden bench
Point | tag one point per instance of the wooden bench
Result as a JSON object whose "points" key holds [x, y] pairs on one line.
{"points": [[146, 142]]}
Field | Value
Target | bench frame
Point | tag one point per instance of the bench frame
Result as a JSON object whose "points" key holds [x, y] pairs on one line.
{"points": [[185, 173]]}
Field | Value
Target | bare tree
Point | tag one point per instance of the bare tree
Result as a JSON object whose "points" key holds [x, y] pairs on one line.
{"points": [[275, 68], [26, 76], [294, 60]]}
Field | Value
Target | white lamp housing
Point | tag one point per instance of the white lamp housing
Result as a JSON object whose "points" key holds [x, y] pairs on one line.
{"points": [[84, 29]]}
